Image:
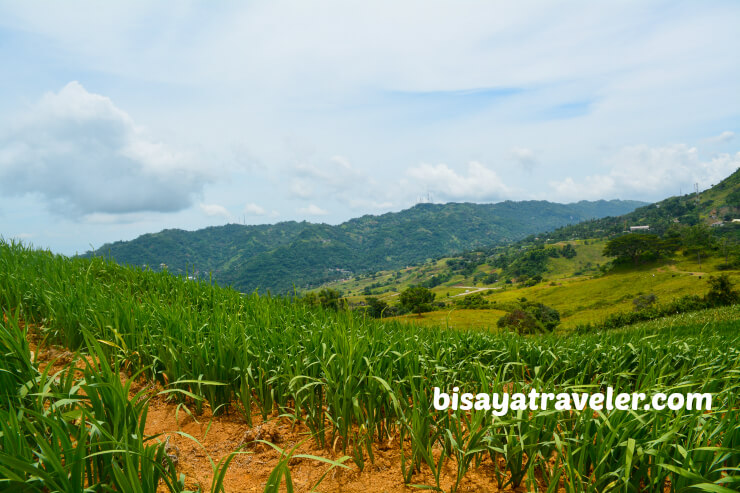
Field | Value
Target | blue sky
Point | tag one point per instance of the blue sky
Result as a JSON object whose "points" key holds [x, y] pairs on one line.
{"points": [[118, 119]]}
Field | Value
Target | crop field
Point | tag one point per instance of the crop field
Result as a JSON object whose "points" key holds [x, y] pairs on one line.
{"points": [[356, 385]]}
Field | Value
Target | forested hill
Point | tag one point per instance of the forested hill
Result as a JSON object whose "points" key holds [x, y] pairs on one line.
{"points": [[282, 255], [716, 206]]}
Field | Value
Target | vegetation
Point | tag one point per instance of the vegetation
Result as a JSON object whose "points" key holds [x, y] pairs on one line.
{"points": [[417, 299], [286, 255], [73, 430], [716, 204], [721, 293], [530, 318], [637, 246], [355, 381], [376, 308]]}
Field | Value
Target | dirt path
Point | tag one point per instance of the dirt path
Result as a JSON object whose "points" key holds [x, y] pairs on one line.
{"points": [[475, 290]]}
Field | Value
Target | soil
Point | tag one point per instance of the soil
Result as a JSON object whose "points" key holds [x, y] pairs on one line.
{"points": [[218, 436]]}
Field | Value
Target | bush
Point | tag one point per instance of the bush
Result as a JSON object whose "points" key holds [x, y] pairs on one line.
{"points": [[644, 301], [548, 317], [721, 292], [376, 308], [569, 251], [520, 321], [472, 301]]}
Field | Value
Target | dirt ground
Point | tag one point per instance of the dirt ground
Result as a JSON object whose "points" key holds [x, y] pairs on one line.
{"points": [[249, 471]]}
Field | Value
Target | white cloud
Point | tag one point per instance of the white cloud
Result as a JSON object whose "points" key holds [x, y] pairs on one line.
{"points": [[725, 136], [214, 210], [84, 155], [254, 210], [650, 173], [362, 92], [480, 182], [312, 210]]}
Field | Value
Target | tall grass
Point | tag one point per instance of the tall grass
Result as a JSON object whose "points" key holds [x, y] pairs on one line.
{"points": [[359, 381], [76, 429]]}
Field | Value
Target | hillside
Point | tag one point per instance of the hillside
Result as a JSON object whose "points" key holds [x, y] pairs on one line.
{"points": [[278, 257], [718, 204], [567, 268]]}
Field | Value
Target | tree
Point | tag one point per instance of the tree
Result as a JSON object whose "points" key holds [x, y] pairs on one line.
{"points": [[547, 316], [375, 307], [633, 246], [521, 321], [417, 299], [721, 292], [331, 298], [569, 251], [698, 239]]}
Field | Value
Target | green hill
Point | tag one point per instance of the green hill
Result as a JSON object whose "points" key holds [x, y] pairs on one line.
{"points": [[567, 268], [279, 256], [718, 204]]}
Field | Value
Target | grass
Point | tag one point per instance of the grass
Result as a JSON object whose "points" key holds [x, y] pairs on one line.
{"points": [[456, 319], [586, 299], [354, 381]]}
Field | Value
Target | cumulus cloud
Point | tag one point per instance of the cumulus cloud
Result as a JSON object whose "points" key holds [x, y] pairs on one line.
{"points": [[479, 183], [650, 173], [312, 210], [84, 155], [214, 210]]}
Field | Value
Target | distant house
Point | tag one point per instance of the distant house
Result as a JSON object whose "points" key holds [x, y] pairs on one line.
{"points": [[735, 221], [716, 224], [639, 228]]}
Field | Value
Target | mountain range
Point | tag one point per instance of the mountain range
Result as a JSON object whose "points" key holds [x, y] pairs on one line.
{"points": [[290, 254]]}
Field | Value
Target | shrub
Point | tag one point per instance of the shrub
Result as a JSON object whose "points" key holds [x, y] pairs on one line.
{"points": [[721, 292], [376, 308], [520, 321], [472, 301], [644, 301], [548, 317]]}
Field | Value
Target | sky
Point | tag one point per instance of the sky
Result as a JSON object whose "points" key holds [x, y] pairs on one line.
{"points": [[123, 118]]}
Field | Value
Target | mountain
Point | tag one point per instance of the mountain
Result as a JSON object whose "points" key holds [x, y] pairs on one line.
{"points": [[302, 254], [567, 268], [716, 206]]}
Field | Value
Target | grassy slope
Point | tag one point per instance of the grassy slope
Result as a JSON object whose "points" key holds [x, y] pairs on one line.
{"points": [[576, 286], [581, 293]]}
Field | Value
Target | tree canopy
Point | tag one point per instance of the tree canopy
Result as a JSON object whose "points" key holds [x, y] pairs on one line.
{"points": [[417, 299]]}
